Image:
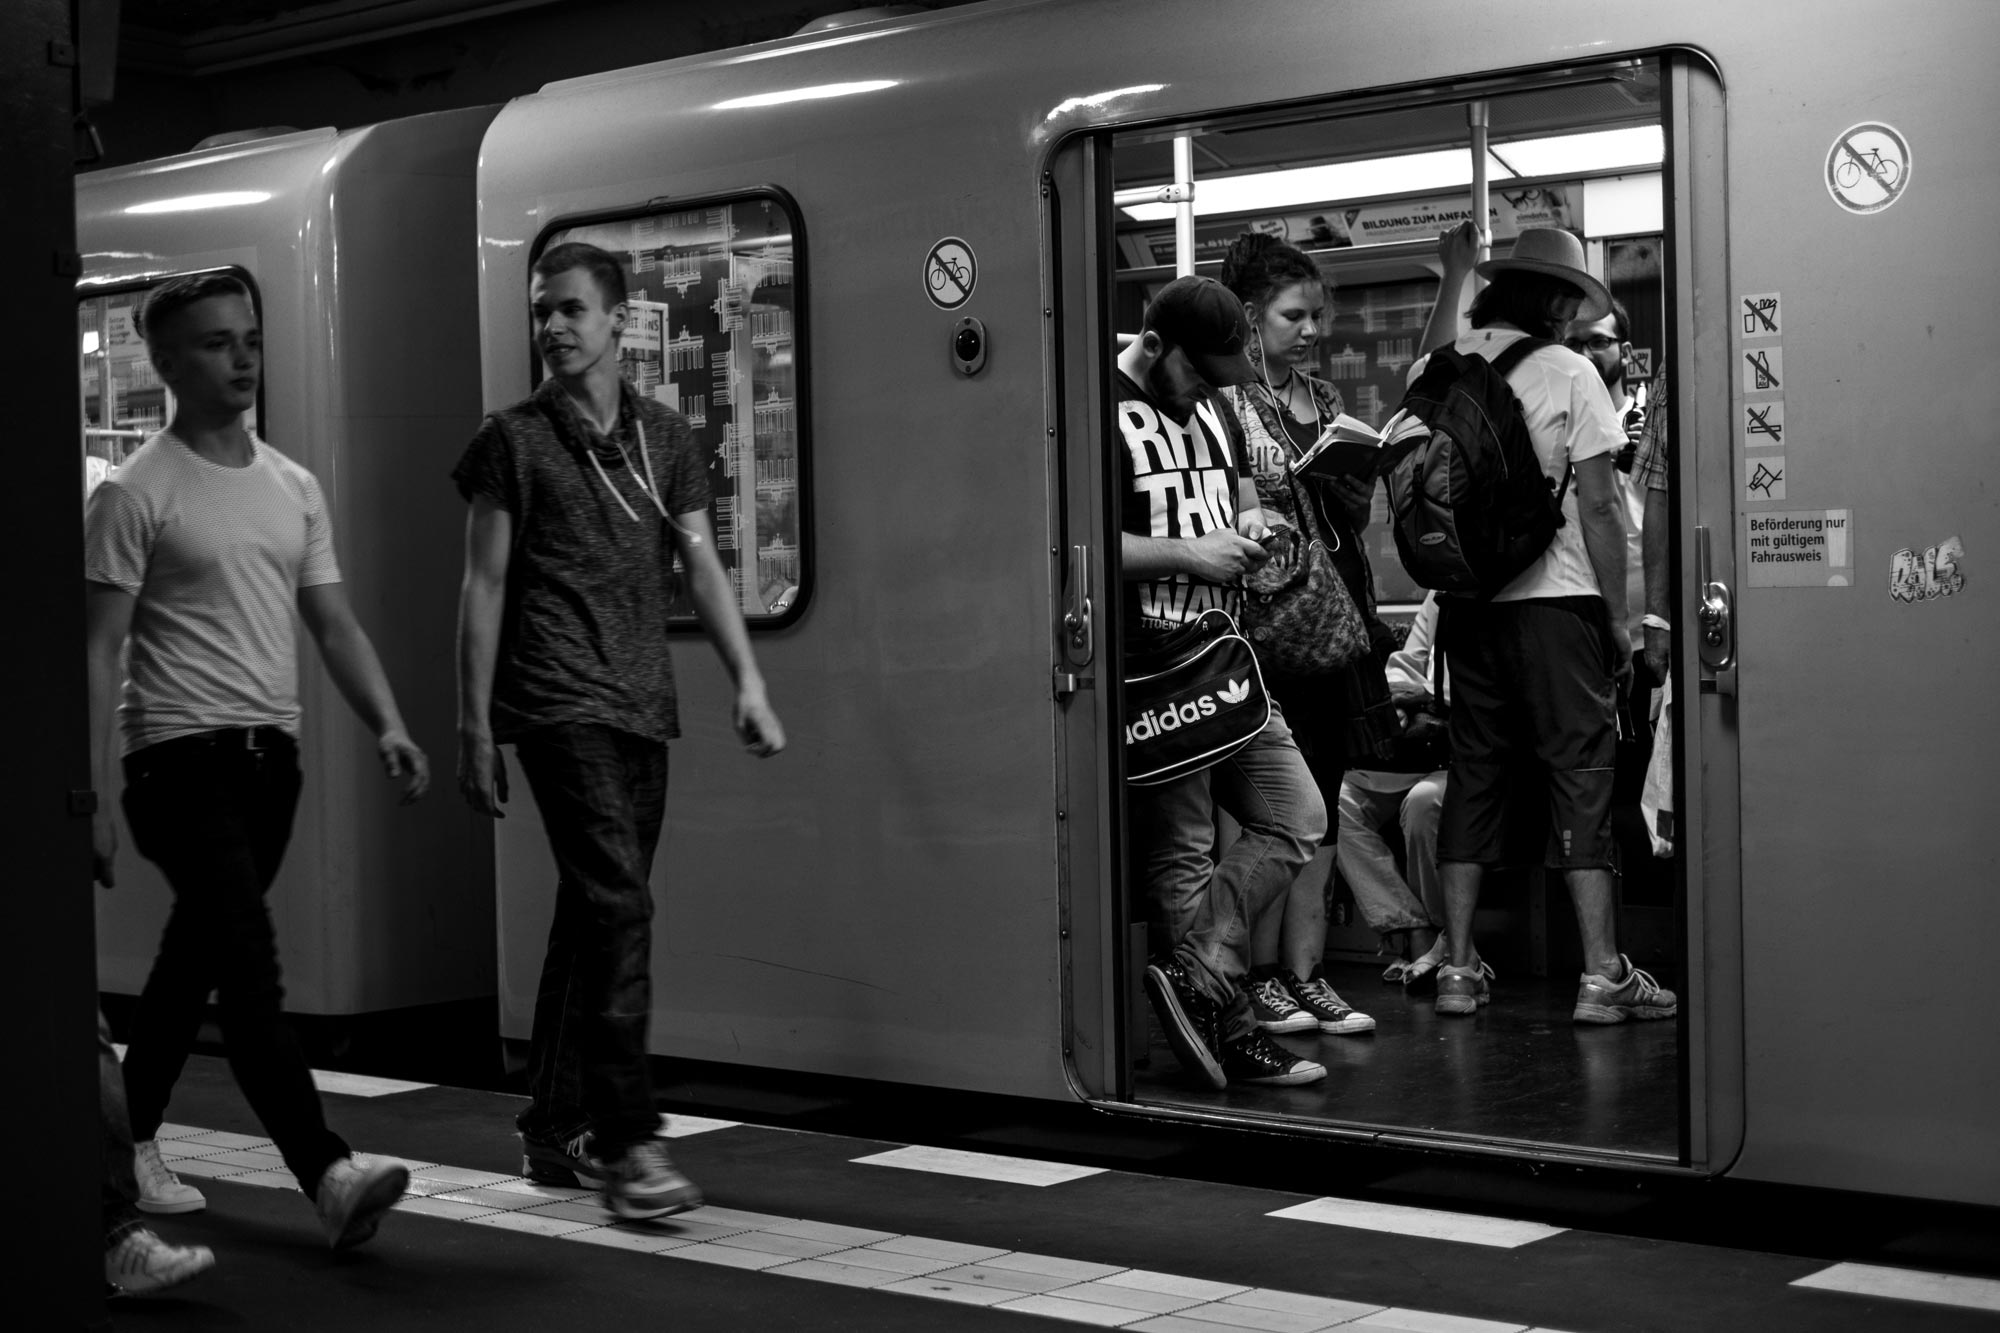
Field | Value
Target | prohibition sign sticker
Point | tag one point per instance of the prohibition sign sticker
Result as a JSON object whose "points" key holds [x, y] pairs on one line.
{"points": [[951, 271], [1868, 167]]}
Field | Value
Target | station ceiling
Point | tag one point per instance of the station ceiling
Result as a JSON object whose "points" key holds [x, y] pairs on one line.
{"points": [[198, 37]]}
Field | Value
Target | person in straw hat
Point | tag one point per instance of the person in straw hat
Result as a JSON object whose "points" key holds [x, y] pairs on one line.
{"points": [[1536, 671]]}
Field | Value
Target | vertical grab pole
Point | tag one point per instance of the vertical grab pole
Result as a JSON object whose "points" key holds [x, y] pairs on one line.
{"points": [[1184, 209], [1475, 120]]}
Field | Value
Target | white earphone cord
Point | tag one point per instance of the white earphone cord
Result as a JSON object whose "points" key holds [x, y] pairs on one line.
{"points": [[650, 485]]}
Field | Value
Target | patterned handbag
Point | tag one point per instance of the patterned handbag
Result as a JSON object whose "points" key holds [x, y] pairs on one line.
{"points": [[1296, 607]]}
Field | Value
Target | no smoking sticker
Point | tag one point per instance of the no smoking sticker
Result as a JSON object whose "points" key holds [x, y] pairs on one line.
{"points": [[1868, 167], [951, 271]]}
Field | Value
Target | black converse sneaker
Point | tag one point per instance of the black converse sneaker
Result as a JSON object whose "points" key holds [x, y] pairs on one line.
{"points": [[1189, 1018], [1323, 1005], [1255, 1058], [1272, 1005]]}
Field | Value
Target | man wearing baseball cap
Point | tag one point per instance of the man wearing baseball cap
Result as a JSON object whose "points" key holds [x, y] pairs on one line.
{"points": [[1537, 669], [1190, 526]]}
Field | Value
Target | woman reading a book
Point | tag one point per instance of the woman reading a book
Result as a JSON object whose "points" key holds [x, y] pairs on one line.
{"points": [[1342, 715]]}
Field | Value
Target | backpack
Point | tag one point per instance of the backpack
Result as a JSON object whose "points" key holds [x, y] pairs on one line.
{"points": [[1470, 506]]}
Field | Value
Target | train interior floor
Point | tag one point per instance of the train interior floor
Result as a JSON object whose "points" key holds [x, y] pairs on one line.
{"points": [[1520, 1070], [1036, 1213]]}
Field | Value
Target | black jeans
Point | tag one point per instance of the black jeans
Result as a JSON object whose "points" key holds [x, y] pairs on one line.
{"points": [[602, 793], [118, 1189], [215, 814]]}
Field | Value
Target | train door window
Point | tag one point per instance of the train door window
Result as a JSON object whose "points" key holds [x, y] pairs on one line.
{"points": [[121, 400], [716, 331], [1364, 191]]}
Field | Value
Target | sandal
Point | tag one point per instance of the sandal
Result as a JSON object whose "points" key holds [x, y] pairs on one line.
{"points": [[1397, 973], [1421, 973]]}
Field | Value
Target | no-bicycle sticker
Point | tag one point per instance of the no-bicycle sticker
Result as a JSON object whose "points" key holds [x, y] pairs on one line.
{"points": [[951, 271], [1868, 167]]}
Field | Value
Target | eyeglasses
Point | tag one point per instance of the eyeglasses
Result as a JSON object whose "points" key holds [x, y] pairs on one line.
{"points": [[1597, 343]]}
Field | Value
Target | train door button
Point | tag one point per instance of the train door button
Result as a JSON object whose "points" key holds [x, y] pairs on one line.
{"points": [[968, 346]]}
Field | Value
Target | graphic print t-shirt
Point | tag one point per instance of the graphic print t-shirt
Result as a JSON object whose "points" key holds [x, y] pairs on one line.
{"points": [[1180, 482]]}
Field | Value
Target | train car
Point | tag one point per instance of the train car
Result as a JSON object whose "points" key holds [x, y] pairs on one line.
{"points": [[354, 243], [883, 270]]}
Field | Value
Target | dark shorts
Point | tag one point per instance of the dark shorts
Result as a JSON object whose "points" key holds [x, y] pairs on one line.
{"points": [[1533, 729]]}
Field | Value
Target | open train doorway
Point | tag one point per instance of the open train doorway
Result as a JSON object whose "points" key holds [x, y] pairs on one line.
{"points": [[1366, 190]]}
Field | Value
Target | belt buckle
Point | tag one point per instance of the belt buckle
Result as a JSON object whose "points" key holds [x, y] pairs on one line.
{"points": [[250, 741]]}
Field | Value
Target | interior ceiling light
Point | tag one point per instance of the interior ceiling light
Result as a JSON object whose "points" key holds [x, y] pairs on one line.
{"points": [[195, 203], [1441, 169], [1599, 150], [806, 94]]}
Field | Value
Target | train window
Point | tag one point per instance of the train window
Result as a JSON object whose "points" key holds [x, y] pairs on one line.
{"points": [[716, 331], [1364, 190], [120, 398]]}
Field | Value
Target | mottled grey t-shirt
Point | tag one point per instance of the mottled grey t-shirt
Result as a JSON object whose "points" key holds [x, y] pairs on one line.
{"points": [[584, 635]]}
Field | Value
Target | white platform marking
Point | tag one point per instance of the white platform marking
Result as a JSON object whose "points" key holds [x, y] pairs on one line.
{"points": [[980, 1165], [681, 1126], [362, 1085], [1039, 1284], [1430, 1223], [1907, 1284]]}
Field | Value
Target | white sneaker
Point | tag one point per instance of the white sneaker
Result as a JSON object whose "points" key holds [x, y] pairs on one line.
{"points": [[160, 1190], [354, 1193], [142, 1262]]}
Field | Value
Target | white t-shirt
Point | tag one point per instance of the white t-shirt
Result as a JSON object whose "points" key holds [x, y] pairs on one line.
{"points": [[216, 556], [1569, 417]]}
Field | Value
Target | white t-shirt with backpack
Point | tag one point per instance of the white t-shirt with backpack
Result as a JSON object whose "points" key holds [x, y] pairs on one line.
{"points": [[1570, 418]]}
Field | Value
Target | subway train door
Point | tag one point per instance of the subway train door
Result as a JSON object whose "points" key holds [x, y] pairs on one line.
{"points": [[1520, 1079], [1099, 973]]}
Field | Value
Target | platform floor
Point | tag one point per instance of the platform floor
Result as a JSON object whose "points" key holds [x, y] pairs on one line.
{"points": [[1520, 1070], [804, 1231]]}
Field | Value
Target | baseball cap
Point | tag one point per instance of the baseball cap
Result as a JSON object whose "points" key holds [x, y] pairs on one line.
{"points": [[1205, 320]]}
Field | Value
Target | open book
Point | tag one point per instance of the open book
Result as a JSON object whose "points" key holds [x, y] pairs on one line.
{"points": [[1351, 447]]}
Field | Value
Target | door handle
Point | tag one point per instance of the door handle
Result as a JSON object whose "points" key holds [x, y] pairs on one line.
{"points": [[1716, 615], [1077, 608]]}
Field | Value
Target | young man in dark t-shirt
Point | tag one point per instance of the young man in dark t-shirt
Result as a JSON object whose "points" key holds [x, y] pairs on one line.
{"points": [[581, 495], [1190, 525]]}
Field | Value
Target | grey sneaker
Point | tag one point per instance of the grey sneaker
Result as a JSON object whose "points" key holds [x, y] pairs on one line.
{"points": [[141, 1262], [354, 1193], [160, 1190], [1462, 990], [645, 1183], [1637, 996]]}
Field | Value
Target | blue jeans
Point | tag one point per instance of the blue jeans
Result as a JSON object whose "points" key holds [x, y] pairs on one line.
{"points": [[602, 793], [1203, 907], [215, 815]]}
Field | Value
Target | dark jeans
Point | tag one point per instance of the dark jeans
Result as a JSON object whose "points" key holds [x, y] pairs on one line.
{"points": [[119, 1189], [602, 793], [215, 815]]}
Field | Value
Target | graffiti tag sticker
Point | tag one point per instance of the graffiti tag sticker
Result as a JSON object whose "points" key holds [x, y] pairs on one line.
{"points": [[1868, 167], [1936, 571]]}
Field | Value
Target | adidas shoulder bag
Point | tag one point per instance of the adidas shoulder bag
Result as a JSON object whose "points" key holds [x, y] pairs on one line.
{"points": [[1192, 700]]}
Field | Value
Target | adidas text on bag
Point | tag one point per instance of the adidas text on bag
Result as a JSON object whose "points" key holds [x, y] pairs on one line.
{"points": [[1191, 702], [1471, 507]]}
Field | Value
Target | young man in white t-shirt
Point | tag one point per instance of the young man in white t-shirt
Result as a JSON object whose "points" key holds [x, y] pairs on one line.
{"points": [[202, 552], [1536, 671]]}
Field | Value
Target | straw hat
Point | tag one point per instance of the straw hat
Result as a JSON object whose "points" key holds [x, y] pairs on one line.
{"points": [[1559, 254]]}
